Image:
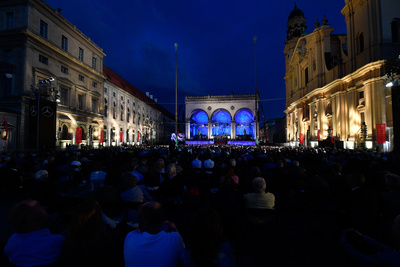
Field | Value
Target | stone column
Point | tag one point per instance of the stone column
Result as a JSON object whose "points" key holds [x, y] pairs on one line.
{"points": [[209, 129], [233, 133]]}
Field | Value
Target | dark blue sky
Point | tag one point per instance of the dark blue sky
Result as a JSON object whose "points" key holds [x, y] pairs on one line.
{"points": [[215, 43]]}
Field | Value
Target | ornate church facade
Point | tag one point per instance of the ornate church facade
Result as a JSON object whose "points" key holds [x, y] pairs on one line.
{"points": [[336, 89]]}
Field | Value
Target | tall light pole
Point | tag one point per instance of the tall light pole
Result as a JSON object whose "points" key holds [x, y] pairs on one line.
{"points": [[176, 88], [255, 93]]}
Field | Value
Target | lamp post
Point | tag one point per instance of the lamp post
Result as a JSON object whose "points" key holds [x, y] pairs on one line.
{"points": [[176, 88], [44, 90], [255, 88]]}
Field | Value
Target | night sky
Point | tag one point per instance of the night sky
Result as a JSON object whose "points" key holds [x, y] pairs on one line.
{"points": [[216, 52]]}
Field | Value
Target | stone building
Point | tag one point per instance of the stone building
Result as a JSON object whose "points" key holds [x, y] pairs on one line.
{"points": [[221, 117], [335, 86], [131, 116], [52, 86], [43, 57]]}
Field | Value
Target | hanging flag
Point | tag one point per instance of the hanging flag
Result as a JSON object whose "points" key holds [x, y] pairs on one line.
{"points": [[301, 138], [318, 138], [101, 136], [137, 138], [121, 137], [381, 133], [6, 127], [78, 136]]}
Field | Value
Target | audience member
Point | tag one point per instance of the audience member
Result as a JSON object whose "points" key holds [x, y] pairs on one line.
{"points": [[88, 242], [172, 188], [365, 251], [259, 199], [97, 177], [206, 242], [150, 245], [32, 245]]}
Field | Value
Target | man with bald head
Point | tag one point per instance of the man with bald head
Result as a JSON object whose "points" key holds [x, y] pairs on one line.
{"points": [[156, 242]]}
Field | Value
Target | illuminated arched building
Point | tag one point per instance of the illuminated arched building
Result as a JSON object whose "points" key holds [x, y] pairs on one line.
{"points": [[335, 86], [221, 118]]}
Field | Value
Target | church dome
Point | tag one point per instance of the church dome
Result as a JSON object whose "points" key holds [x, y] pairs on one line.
{"points": [[296, 12], [296, 26]]}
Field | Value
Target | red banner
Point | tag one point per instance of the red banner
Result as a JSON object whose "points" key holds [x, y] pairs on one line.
{"points": [[318, 138], [137, 137], [381, 133], [78, 137], [101, 136], [121, 137], [301, 137]]}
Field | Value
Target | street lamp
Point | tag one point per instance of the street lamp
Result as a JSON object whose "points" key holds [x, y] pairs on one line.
{"points": [[255, 93], [176, 88], [43, 90]]}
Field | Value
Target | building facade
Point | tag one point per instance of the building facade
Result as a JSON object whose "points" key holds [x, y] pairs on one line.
{"points": [[44, 57], [132, 117], [52, 86], [221, 117], [335, 86]]}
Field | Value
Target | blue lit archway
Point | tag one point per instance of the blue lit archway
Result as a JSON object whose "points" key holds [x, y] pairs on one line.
{"points": [[221, 124], [199, 124], [244, 127]]}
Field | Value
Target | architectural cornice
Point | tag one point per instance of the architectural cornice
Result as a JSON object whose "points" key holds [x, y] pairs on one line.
{"points": [[57, 50]]}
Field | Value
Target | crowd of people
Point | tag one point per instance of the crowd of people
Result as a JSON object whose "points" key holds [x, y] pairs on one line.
{"points": [[124, 206]]}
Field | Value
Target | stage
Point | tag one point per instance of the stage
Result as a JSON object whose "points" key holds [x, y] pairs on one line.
{"points": [[220, 142]]}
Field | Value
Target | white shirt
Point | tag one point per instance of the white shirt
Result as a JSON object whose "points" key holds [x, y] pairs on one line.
{"points": [[144, 249], [196, 163]]}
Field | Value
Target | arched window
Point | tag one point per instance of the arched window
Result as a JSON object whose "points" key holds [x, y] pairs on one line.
{"points": [[65, 133], [395, 30]]}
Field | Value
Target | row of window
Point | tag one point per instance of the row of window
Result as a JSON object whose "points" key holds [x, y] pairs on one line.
{"points": [[65, 95], [45, 60], [64, 43]]}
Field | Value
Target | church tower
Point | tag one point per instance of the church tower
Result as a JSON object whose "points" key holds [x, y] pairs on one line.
{"points": [[296, 28]]}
